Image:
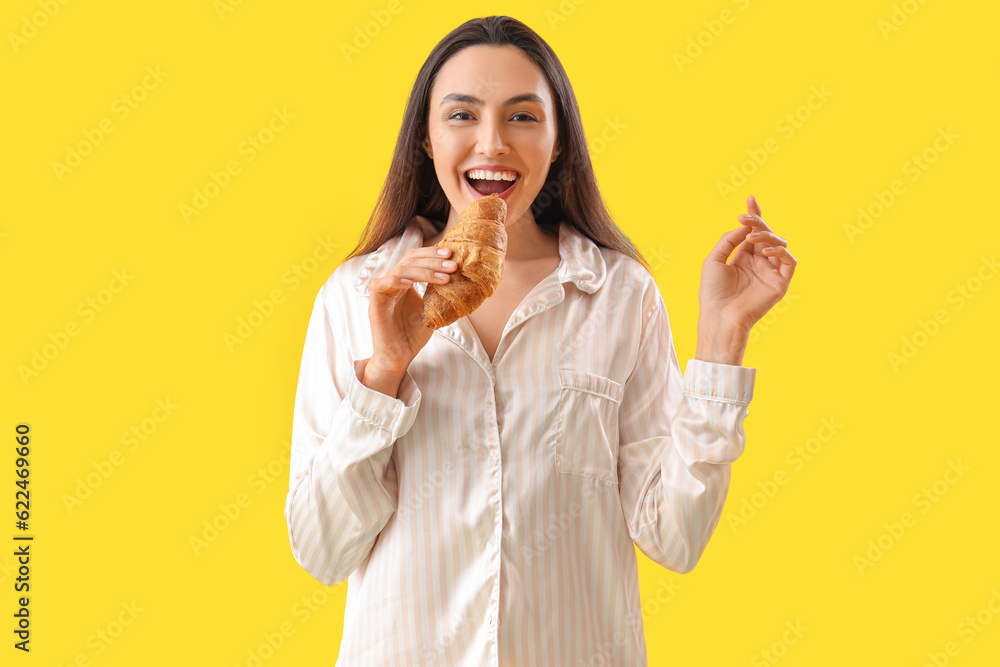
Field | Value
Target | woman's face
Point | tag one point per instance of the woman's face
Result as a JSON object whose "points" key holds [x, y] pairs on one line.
{"points": [[491, 107]]}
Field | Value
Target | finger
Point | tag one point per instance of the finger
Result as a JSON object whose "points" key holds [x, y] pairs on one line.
{"points": [[771, 259], [753, 207], [432, 257], [724, 246], [422, 275], [394, 285], [405, 274], [389, 285], [425, 269], [429, 251], [431, 263], [788, 261], [769, 238], [749, 244], [755, 221]]}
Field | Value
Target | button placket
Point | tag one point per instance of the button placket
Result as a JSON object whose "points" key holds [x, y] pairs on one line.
{"points": [[495, 476]]}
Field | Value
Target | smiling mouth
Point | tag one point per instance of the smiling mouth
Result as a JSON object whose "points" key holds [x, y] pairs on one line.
{"points": [[487, 183]]}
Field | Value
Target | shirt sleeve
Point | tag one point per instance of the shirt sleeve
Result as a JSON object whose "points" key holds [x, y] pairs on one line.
{"points": [[342, 483], [677, 439]]}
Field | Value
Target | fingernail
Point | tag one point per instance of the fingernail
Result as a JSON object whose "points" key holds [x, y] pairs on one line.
{"points": [[443, 252], [448, 264]]}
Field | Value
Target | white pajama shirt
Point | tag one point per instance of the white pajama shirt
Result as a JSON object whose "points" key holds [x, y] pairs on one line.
{"points": [[489, 515]]}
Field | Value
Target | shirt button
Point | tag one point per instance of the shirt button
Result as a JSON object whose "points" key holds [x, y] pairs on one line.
{"points": [[490, 460]]}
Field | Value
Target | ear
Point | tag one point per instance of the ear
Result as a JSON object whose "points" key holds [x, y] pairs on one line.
{"points": [[426, 143], [556, 150]]}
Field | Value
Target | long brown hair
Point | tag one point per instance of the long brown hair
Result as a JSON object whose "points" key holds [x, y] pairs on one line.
{"points": [[570, 190]]}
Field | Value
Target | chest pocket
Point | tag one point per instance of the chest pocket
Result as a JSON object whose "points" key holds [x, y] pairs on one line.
{"points": [[587, 425]]}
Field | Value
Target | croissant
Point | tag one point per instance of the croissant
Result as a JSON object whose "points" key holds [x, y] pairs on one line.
{"points": [[479, 244]]}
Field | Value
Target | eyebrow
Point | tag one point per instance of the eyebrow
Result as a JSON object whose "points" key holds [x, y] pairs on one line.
{"points": [[470, 99]]}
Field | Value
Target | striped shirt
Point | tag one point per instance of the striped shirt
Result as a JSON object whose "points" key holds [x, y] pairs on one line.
{"points": [[489, 515]]}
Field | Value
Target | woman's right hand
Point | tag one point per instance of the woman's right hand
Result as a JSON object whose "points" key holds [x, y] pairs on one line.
{"points": [[395, 308]]}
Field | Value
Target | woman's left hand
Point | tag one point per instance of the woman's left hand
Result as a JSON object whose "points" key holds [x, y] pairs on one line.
{"points": [[737, 294]]}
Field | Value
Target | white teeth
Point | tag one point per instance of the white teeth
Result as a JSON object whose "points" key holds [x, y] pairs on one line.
{"points": [[483, 174]]}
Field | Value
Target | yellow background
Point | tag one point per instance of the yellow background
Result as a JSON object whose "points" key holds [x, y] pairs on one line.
{"points": [[161, 336]]}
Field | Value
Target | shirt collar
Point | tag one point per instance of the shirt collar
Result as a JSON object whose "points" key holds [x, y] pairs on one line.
{"points": [[581, 261]]}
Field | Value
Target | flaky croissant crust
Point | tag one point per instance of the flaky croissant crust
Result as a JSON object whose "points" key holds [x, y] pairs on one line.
{"points": [[478, 242]]}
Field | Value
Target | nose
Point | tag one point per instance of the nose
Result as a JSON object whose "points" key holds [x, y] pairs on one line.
{"points": [[490, 140]]}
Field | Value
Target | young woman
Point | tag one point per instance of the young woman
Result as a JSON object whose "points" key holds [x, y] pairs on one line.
{"points": [[483, 486]]}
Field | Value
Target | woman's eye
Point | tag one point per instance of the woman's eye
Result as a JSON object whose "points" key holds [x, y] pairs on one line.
{"points": [[462, 115]]}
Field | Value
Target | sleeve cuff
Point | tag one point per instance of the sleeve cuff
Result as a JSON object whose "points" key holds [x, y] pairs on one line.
{"points": [[395, 415], [719, 382]]}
